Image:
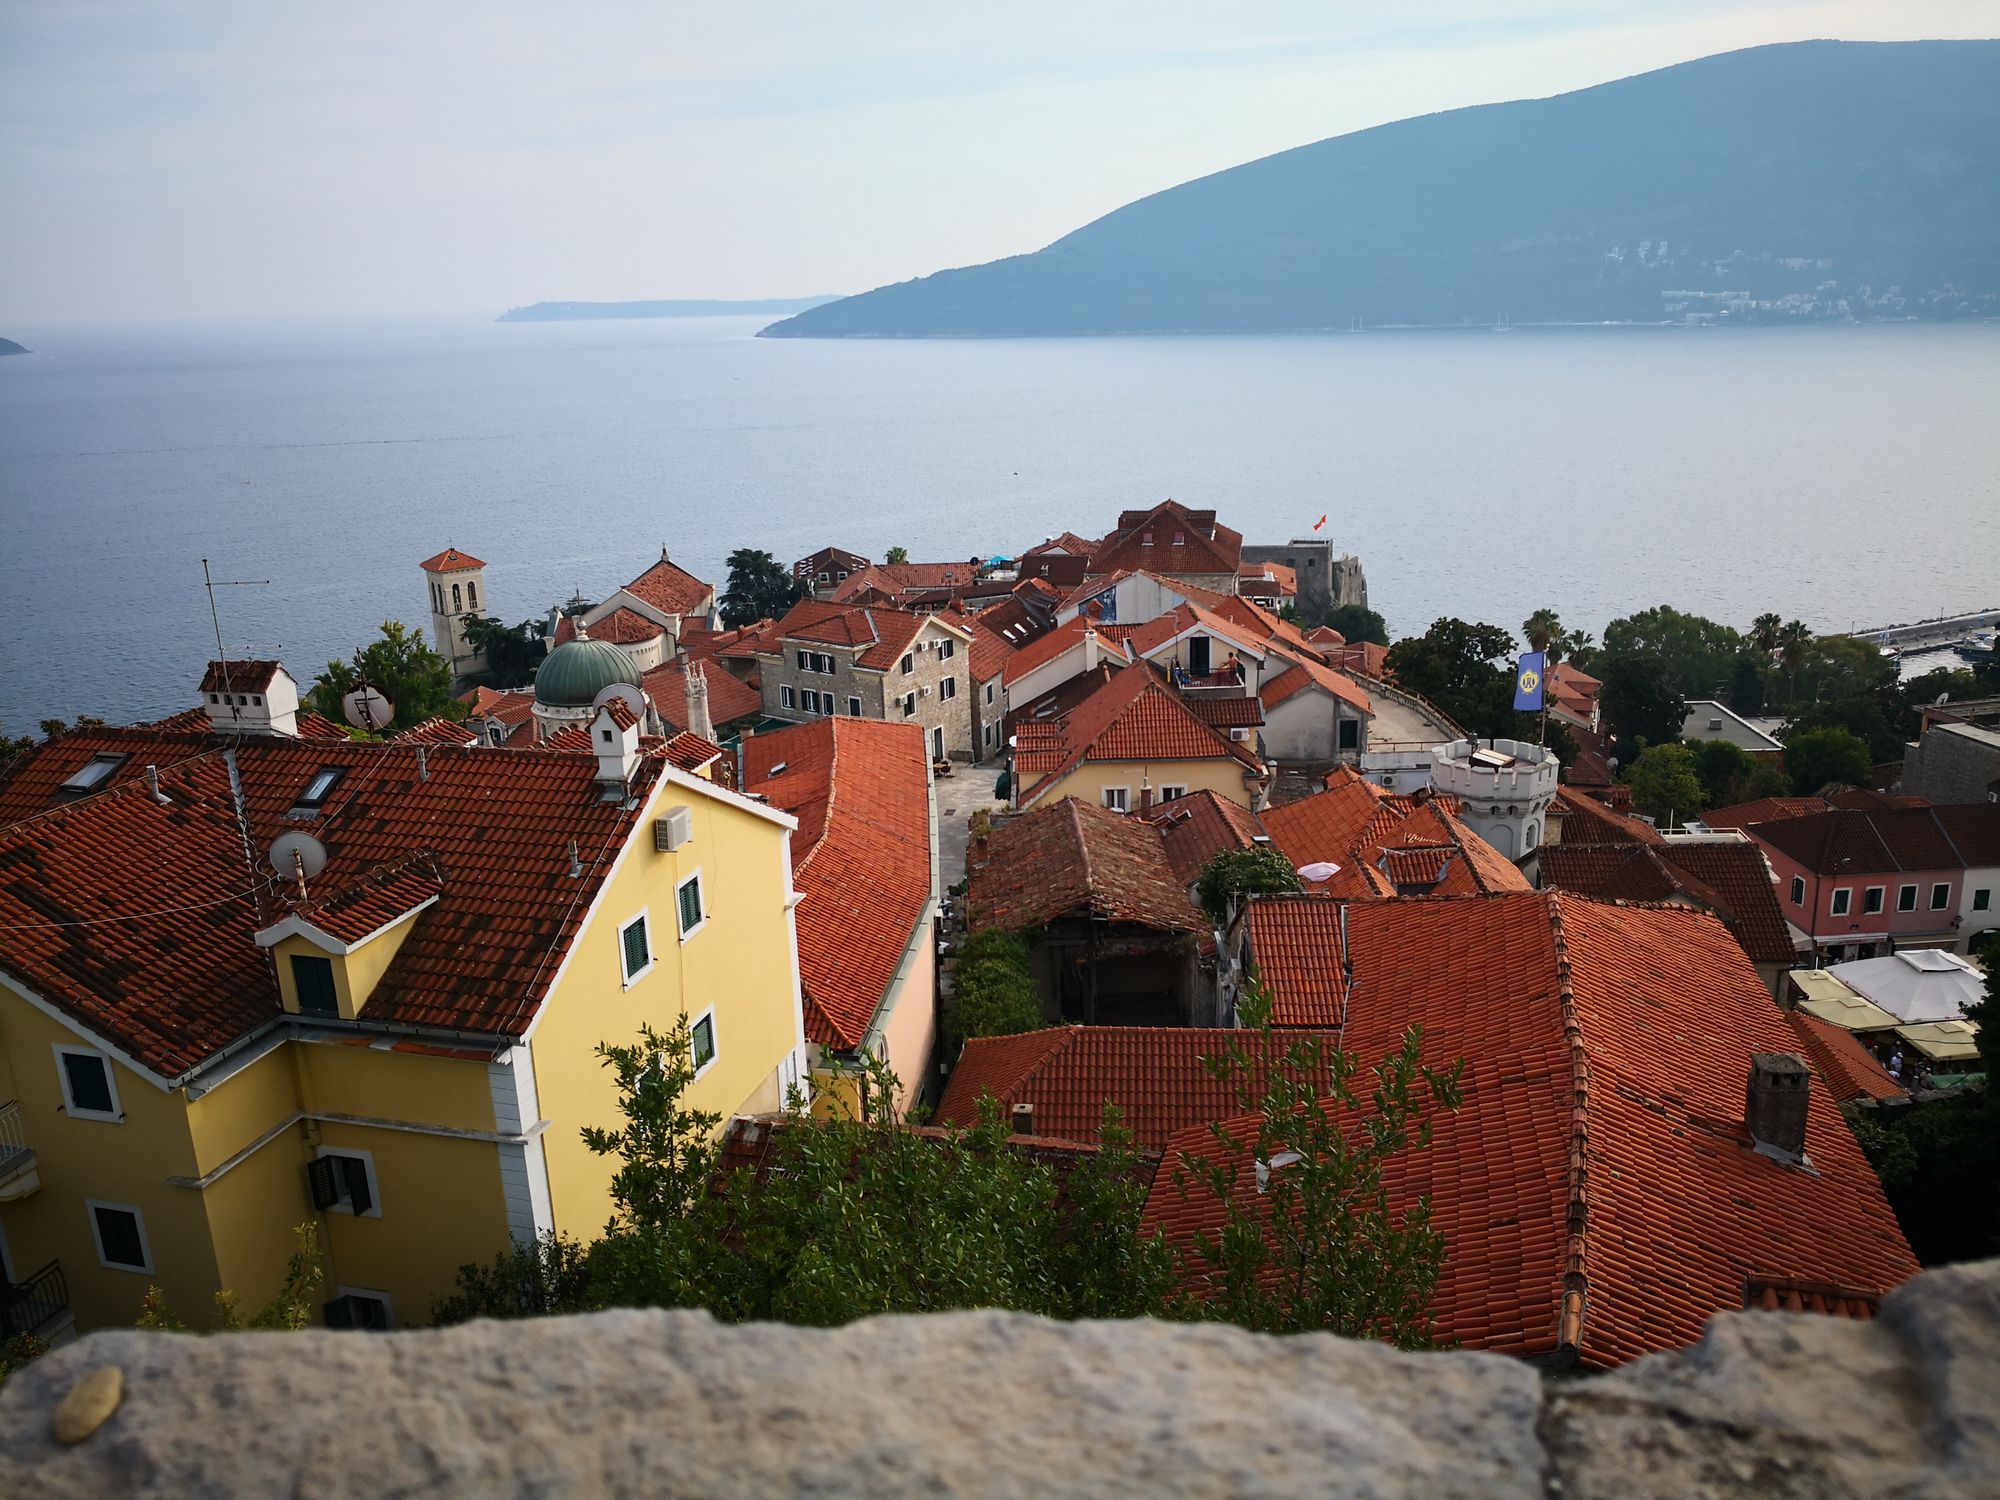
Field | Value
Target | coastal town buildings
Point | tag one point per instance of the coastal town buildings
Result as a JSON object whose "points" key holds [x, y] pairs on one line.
{"points": [[1321, 578], [263, 975], [869, 662], [454, 581], [827, 569], [647, 618]]}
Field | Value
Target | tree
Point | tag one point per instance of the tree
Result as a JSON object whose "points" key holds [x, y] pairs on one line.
{"points": [[1544, 632], [1356, 623], [1639, 704], [1724, 769], [1235, 873], [897, 556], [542, 1277], [1695, 657], [1819, 757], [1316, 1244], [1665, 785], [512, 652], [1466, 670], [758, 588], [295, 1307], [1794, 642], [1765, 633], [417, 679], [993, 988]]}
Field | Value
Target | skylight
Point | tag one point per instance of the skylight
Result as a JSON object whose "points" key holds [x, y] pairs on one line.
{"points": [[93, 773], [324, 780]]}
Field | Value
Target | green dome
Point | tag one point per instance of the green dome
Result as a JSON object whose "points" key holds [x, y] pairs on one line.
{"points": [[572, 675]]}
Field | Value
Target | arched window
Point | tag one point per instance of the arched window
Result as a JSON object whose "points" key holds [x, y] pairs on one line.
{"points": [[472, 595], [457, 603]]}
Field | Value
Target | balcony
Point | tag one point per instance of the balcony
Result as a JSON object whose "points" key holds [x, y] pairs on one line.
{"points": [[38, 1306], [18, 1165]]}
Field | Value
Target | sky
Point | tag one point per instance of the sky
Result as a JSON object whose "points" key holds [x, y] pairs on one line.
{"points": [[166, 160]]}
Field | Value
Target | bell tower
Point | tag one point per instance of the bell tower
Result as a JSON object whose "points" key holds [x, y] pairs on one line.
{"points": [[456, 584]]}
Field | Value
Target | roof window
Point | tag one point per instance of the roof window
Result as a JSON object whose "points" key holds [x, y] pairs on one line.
{"points": [[324, 780], [93, 773]]}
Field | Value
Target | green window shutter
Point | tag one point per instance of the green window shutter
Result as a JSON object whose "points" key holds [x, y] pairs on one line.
{"points": [[637, 954], [313, 978], [703, 1037], [690, 899]]}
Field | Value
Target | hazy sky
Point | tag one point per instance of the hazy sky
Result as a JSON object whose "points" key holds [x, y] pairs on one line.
{"points": [[246, 158]]}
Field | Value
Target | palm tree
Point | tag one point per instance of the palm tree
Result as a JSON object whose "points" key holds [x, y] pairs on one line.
{"points": [[1543, 630], [1574, 645], [1765, 633], [1794, 642]]}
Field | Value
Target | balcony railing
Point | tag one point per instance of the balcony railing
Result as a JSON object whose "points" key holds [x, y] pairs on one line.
{"points": [[17, 1157], [39, 1305]]}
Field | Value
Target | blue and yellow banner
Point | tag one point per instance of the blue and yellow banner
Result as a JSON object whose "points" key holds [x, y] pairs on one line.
{"points": [[1528, 681]]}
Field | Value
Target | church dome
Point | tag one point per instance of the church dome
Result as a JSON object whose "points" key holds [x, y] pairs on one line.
{"points": [[572, 675]]}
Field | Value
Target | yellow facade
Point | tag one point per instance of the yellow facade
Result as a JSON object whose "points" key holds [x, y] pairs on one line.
{"points": [[217, 1167], [1088, 780]]}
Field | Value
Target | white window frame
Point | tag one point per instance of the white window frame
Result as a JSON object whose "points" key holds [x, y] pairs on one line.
{"points": [[1124, 802], [909, 705], [948, 689], [1911, 892], [376, 1294], [1941, 896], [989, 692], [714, 1042], [947, 648], [70, 1106], [853, 707], [809, 701], [786, 697], [701, 890], [1842, 901], [90, 1208], [367, 1160], [644, 915], [1172, 793], [1982, 899], [1798, 890], [1873, 901]]}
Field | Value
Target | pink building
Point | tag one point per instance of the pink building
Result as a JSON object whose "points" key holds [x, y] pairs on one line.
{"points": [[1862, 883]]}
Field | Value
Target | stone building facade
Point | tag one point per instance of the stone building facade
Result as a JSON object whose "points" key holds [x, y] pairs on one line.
{"points": [[1327, 579], [874, 664]]}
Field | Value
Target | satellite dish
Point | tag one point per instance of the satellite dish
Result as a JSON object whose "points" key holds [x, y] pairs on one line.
{"points": [[367, 707], [1318, 871], [296, 851], [634, 699], [1942, 699]]}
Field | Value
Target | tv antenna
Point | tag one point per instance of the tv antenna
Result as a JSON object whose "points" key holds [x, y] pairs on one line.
{"points": [[210, 582]]}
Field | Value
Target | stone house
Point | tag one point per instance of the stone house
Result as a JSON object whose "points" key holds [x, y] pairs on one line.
{"points": [[866, 663]]}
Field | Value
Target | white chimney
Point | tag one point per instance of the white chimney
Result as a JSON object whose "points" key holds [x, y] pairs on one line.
{"points": [[614, 735], [699, 722], [1090, 644], [250, 697]]}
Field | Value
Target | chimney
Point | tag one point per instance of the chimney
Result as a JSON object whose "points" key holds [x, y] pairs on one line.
{"points": [[1145, 793], [699, 722], [1089, 649], [1024, 1119], [1774, 1104], [743, 755]]}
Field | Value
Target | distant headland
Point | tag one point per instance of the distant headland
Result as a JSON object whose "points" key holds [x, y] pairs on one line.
{"points": [[571, 312], [8, 346]]}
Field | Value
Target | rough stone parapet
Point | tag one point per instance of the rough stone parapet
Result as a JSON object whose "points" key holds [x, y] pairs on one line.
{"points": [[999, 1404]]}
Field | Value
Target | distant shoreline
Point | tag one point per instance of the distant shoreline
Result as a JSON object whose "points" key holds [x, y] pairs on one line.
{"points": [[576, 312], [777, 330]]}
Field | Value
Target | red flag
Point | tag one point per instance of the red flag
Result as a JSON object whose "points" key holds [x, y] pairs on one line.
{"points": [[1319, 523]]}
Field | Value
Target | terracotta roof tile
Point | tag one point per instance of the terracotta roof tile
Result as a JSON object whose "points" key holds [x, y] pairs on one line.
{"points": [[670, 588], [1073, 858], [1585, 820], [1170, 539], [1353, 825], [451, 560], [1304, 672], [891, 579], [1840, 842], [439, 732], [860, 789], [729, 697], [1847, 1068], [1197, 827], [1133, 717], [240, 676], [1762, 810]]}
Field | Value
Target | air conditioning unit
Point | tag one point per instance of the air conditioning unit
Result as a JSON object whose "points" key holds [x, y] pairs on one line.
{"points": [[1239, 735], [674, 830], [923, 692]]}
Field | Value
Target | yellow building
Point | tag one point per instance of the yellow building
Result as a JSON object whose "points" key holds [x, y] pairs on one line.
{"points": [[253, 979], [1132, 742]]}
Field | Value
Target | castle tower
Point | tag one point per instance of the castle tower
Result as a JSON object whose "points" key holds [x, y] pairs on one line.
{"points": [[456, 583], [1505, 785]]}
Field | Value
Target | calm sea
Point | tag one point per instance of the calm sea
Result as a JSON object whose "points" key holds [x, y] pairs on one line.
{"points": [[1846, 476]]}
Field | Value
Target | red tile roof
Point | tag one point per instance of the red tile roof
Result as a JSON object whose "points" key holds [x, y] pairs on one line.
{"points": [[1728, 877], [883, 635], [1045, 649], [156, 954], [729, 697], [670, 588], [439, 732], [1133, 717], [1353, 825], [1762, 810], [451, 560], [1294, 674], [513, 709], [372, 903], [1597, 1192], [1585, 820], [1068, 544], [1197, 827], [1071, 859], [891, 579], [1847, 1068], [1284, 581], [240, 676], [1363, 657], [1154, 1074], [861, 857], [1839, 842], [1169, 539]]}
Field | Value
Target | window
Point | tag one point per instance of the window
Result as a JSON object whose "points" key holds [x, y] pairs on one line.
{"points": [[1115, 798], [1982, 900], [687, 899], [635, 949], [472, 595], [1843, 899], [355, 1307], [1906, 898], [93, 773], [989, 692], [946, 648], [909, 704], [312, 978], [457, 599], [1180, 538], [909, 663], [1798, 890], [343, 1182], [88, 1089], [313, 798], [1872, 901], [1940, 895], [785, 697], [854, 708], [948, 688], [810, 697], [1172, 793], [120, 1235], [805, 661], [701, 1041]]}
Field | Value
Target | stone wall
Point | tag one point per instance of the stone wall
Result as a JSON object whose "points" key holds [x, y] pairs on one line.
{"points": [[654, 1403]]}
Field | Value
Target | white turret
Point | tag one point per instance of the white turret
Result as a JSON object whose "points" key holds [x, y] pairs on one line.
{"points": [[1505, 785]]}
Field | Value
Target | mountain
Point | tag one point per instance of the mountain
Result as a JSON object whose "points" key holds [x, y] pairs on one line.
{"points": [[566, 312], [1745, 183], [8, 346]]}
